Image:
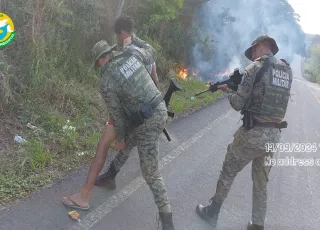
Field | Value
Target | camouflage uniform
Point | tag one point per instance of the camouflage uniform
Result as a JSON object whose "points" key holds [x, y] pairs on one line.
{"points": [[124, 91], [250, 145]]}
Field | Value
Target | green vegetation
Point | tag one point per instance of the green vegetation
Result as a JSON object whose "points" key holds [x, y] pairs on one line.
{"points": [[311, 67], [47, 156], [49, 92], [183, 102]]}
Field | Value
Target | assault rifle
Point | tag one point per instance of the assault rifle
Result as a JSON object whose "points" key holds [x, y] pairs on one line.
{"points": [[167, 97], [233, 82]]}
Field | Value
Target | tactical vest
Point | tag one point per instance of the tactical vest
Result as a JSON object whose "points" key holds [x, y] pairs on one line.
{"points": [[271, 91], [137, 87]]}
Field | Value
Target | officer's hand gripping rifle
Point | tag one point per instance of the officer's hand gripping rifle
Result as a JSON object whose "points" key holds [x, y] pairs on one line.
{"points": [[233, 82], [167, 97]]}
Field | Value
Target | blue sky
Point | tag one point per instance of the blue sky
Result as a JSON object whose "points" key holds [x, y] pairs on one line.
{"points": [[310, 15]]}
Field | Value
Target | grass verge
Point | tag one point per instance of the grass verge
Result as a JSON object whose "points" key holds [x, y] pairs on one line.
{"points": [[58, 142]]}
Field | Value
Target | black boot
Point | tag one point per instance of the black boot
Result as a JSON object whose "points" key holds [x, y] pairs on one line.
{"points": [[252, 226], [209, 213], [108, 179], [166, 220]]}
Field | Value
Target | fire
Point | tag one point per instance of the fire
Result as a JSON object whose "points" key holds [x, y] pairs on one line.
{"points": [[183, 74], [208, 84], [195, 73], [225, 73]]}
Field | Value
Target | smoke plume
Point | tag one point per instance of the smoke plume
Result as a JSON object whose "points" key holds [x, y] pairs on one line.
{"points": [[228, 27]]}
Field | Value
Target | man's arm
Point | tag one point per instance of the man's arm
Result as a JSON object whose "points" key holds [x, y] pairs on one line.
{"points": [[239, 99], [154, 74], [145, 51]]}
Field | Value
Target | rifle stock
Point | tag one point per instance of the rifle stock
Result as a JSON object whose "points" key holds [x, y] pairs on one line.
{"points": [[167, 97]]}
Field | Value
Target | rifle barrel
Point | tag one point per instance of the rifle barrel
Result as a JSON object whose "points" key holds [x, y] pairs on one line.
{"points": [[202, 92]]}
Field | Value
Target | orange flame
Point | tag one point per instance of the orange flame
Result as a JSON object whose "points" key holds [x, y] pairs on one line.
{"points": [[225, 73], [208, 84], [183, 74]]}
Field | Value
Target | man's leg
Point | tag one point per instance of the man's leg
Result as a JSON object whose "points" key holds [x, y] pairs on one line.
{"points": [[147, 137], [149, 159], [260, 177], [82, 199], [235, 160], [108, 178]]}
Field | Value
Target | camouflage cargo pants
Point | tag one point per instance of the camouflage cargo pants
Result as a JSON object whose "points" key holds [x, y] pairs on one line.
{"points": [[249, 146], [146, 138]]}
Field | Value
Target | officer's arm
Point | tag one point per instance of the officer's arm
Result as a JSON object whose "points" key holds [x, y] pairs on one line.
{"points": [[116, 112], [154, 74], [145, 51], [239, 99]]}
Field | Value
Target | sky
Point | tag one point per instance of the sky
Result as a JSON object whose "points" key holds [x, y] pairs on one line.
{"points": [[309, 13]]}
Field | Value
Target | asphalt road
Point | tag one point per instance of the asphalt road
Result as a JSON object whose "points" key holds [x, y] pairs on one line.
{"points": [[191, 164]]}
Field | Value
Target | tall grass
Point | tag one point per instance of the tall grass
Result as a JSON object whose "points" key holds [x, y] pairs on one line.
{"points": [[47, 79]]}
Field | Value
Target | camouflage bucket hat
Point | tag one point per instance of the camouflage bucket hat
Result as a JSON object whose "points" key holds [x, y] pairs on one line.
{"points": [[101, 48], [274, 46]]}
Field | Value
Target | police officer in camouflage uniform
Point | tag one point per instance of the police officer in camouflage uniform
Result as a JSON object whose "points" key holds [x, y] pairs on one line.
{"points": [[123, 28], [138, 113], [262, 96]]}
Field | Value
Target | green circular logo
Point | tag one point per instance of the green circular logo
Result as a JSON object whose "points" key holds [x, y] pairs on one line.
{"points": [[7, 33]]}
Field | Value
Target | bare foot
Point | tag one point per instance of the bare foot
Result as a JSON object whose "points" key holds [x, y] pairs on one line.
{"points": [[76, 201]]}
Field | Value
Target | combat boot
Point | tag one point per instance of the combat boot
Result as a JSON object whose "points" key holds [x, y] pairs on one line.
{"points": [[209, 213], [166, 220], [108, 179], [252, 226]]}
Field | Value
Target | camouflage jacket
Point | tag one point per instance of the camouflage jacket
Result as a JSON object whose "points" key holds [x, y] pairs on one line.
{"points": [[111, 85], [247, 92]]}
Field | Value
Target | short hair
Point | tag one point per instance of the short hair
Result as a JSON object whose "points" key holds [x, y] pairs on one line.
{"points": [[123, 23]]}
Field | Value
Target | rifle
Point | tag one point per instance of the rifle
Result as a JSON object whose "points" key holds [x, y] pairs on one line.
{"points": [[167, 97], [234, 80]]}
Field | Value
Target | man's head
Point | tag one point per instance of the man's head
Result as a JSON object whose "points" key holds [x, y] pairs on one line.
{"points": [[123, 28], [263, 45], [101, 53]]}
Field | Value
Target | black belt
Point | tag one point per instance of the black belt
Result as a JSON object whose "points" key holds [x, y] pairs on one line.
{"points": [[281, 125]]}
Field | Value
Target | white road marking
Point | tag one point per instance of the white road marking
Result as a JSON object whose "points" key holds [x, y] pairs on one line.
{"points": [[100, 212], [308, 83], [315, 96]]}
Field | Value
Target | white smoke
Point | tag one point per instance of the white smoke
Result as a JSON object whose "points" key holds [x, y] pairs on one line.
{"points": [[252, 19], [235, 63]]}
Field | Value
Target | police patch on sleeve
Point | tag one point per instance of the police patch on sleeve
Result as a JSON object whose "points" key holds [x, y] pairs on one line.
{"points": [[280, 78], [128, 68]]}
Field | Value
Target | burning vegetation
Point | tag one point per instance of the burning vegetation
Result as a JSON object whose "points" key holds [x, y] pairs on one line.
{"points": [[184, 73], [223, 74]]}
